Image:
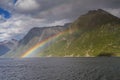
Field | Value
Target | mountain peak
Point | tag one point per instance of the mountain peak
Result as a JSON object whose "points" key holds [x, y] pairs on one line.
{"points": [[101, 13], [94, 18], [98, 10]]}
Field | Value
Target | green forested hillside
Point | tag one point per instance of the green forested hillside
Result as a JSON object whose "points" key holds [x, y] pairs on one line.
{"points": [[96, 33]]}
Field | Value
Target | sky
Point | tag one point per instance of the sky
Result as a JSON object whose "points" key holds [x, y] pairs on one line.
{"points": [[17, 17]]}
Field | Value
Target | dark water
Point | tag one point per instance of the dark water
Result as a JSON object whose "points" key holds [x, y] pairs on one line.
{"points": [[60, 69]]}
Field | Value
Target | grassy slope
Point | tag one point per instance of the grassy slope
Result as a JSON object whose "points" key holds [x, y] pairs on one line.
{"points": [[92, 34], [105, 39]]}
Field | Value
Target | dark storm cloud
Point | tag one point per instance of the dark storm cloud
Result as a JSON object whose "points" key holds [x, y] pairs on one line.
{"points": [[70, 9]]}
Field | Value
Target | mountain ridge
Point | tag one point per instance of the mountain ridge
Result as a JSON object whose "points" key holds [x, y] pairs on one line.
{"points": [[34, 36], [92, 34], [94, 18]]}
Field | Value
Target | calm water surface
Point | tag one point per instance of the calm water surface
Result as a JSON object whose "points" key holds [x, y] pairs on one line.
{"points": [[60, 69]]}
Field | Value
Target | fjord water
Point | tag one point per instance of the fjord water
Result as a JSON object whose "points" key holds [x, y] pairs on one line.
{"points": [[103, 68]]}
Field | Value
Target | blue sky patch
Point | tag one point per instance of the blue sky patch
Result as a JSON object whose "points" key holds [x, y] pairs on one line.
{"points": [[5, 13], [14, 1]]}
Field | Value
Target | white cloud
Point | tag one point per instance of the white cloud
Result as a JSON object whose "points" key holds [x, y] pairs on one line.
{"points": [[115, 12], [27, 14], [60, 22], [27, 5], [6, 36], [18, 24]]}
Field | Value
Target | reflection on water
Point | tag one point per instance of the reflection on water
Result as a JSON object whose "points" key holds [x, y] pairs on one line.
{"points": [[60, 69]]}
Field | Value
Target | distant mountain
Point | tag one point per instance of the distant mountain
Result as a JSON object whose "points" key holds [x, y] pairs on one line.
{"points": [[3, 49], [34, 36], [6, 46]]}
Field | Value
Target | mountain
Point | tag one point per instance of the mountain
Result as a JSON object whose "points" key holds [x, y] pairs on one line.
{"points": [[3, 49], [34, 36], [95, 33], [6, 46], [94, 19], [42, 33]]}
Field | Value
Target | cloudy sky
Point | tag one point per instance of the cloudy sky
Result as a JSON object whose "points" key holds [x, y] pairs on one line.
{"points": [[17, 17]]}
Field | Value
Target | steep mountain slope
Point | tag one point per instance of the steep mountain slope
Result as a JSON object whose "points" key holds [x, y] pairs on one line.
{"points": [[94, 19], [92, 34], [95, 33], [34, 36]]}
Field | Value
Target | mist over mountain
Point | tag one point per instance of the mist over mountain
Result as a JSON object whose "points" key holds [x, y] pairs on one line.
{"points": [[34, 36], [94, 33], [6, 46]]}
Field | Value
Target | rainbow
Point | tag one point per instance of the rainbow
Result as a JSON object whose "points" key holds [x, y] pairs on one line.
{"points": [[32, 51]]}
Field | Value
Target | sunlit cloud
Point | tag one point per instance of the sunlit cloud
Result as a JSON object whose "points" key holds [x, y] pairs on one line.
{"points": [[27, 5]]}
